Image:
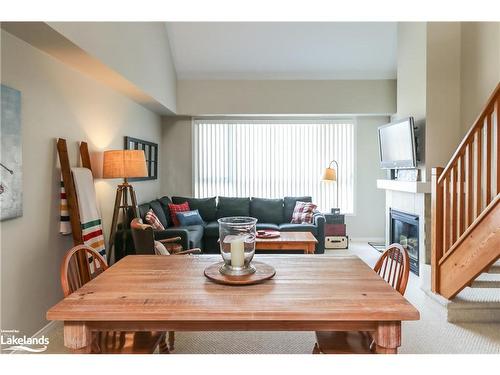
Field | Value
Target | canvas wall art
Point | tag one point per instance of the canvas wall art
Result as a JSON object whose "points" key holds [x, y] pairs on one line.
{"points": [[11, 183]]}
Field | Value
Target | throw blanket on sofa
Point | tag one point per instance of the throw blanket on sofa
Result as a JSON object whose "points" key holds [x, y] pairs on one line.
{"points": [[90, 218]]}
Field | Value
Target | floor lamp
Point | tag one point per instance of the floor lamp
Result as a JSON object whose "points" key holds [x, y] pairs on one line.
{"points": [[123, 164], [332, 175]]}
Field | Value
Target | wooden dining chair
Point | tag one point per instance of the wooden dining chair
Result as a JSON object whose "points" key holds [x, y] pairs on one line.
{"points": [[394, 267], [82, 264], [145, 243]]}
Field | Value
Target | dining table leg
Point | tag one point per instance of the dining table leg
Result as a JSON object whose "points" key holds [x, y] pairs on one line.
{"points": [[77, 337], [388, 337]]}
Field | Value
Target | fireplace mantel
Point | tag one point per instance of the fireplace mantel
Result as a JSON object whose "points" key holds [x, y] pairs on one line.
{"points": [[416, 187]]}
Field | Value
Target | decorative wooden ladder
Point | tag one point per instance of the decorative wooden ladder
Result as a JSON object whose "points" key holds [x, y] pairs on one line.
{"points": [[465, 232], [74, 212]]}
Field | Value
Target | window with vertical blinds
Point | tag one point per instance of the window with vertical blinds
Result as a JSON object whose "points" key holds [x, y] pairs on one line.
{"points": [[274, 158]]}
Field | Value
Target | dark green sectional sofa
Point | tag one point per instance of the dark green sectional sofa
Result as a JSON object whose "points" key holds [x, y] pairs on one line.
{"points": [[271, 214]]}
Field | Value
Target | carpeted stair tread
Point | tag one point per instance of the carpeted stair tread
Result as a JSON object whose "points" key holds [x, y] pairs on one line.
{"points": [[477, 297], [495, 268], [487, 280]]}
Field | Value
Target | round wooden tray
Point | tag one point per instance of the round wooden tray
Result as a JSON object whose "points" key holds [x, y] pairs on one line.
{"points": [[268, 234], [263, 272]]}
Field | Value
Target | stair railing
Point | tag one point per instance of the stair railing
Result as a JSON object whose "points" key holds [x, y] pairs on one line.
{"points": [[466, 187]]}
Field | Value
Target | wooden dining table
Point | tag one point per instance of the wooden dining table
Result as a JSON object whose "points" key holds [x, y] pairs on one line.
{"points": [[171, 293]]}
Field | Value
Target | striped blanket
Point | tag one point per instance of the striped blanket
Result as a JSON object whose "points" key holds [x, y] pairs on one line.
{"points": [[90, 217], [64, 223]]}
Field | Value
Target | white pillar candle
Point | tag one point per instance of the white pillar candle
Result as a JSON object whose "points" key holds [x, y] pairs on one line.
{"points": [[237, 252]]}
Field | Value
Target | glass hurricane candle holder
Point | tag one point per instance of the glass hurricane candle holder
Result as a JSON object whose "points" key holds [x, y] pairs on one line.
{"points": [[237, 244]]}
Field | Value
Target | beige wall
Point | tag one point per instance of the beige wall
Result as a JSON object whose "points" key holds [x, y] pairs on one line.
{"points": [[443, 131], [247, 97], [411, 77], [411, 74], [56, 101], [139, 51], [177, 157], [480, 71], [369, 221]]}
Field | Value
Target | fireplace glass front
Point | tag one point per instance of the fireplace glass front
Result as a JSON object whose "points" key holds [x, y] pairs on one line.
{"points": [[404, 231]]}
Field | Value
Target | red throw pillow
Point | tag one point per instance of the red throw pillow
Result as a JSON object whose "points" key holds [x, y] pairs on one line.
{"points": [[303, 213], [153, 220], [174, 208]]}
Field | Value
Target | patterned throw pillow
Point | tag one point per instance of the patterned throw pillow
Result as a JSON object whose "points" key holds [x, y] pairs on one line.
{"points": [[303, 213], [153, 220], [190, 218], [174, 208]]}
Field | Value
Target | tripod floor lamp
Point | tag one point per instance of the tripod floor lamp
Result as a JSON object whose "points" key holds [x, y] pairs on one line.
{"points": [[123, 164], [331, 174]]}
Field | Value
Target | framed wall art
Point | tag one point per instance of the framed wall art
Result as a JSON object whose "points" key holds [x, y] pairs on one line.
{"points": [[151, 152]]}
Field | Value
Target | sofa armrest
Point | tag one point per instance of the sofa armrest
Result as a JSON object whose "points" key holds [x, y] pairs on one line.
{"points": [[319, 220], [174, 232]]}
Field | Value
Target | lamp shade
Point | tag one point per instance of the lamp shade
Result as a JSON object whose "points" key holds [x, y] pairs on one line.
{"points": [[124, 164], [330, 175]]}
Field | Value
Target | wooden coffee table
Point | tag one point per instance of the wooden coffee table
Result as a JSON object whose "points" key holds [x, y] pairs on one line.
{"points": [[301, 241]]}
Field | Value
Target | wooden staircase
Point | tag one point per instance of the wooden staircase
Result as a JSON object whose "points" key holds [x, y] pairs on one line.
{"points": [[465, 232]]}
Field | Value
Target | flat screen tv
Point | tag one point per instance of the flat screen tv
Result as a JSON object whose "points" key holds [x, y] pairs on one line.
{"points": [[397, 145]]}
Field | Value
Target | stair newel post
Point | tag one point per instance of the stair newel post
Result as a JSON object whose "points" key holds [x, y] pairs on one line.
{"points": [[436, 228]]}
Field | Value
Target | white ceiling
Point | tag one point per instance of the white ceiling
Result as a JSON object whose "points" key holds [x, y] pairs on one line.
{"points": [[283, 50]]}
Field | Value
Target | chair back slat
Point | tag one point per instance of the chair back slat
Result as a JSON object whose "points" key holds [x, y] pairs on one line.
{"points": [[73, 274], [394, 267]]}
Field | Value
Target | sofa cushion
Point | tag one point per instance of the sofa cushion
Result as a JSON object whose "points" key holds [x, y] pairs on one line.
{"points": [[206, 206], [262, 226], [212, 229], [229, 206], [195, 235], [143, 210], [267, 210], [289, 203], [159, 212], [299, 228], [164, 201]]}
